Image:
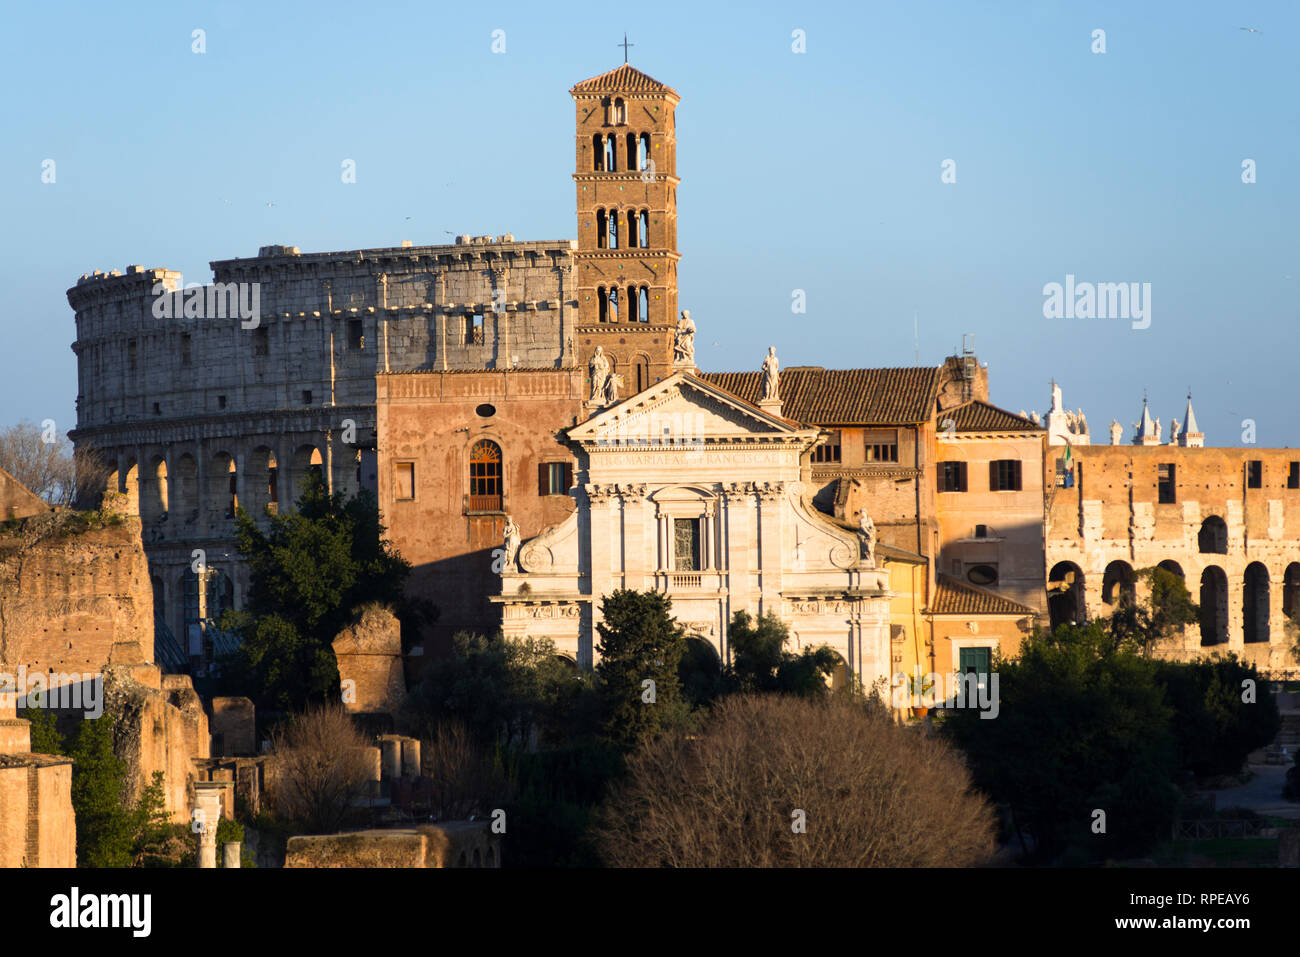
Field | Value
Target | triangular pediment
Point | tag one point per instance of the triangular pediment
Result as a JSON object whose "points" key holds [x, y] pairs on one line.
{"points": [[683, 409]]}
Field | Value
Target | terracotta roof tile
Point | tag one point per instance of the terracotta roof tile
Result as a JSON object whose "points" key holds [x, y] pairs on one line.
{"points": [[978, 416], [623, 79], [843, 396], [953, 597]]}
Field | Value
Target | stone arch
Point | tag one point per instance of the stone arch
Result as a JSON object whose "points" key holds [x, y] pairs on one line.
{"points": [[261, 484], [159, 597], [699, 669], [640, 374], [131, 486], [840, 675], [1214, 606], [185, 489], [1173, 567], [155, 499], [1213, 536], [1065, 590], [1291, 591], [307, 460], [1119, 583], [222, 484], [1254, 603]]}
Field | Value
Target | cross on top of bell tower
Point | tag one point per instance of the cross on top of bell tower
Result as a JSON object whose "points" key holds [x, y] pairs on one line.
{"points": [[624, 45]]}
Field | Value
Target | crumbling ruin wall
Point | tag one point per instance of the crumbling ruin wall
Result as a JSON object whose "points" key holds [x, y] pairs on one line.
{"points": [[161, 726], [71, 586], [369, 653]]}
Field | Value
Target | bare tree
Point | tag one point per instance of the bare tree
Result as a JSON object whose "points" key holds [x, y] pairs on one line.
{"points": [[465, 778], [45, 462], [322, 767], [776, 781]]}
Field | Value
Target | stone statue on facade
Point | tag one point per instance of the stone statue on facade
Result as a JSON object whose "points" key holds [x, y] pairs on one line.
{"points": [[599, 369], [611, 388], [512, 540], [1056, 397], [1157, 431], [771, 377], [1173, 432], [684, 343], [867, 529], [1116, 432]]}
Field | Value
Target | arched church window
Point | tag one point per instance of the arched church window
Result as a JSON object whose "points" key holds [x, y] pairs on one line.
{"points": [[485, 477]]}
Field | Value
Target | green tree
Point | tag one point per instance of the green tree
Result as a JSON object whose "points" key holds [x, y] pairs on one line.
{"points": [[153, 835], [1165, 609], [1082, 727], [309, 571], [640, 642], [500, 688], [44, 730], [1225, 710], [761, 663], [105, 827]]}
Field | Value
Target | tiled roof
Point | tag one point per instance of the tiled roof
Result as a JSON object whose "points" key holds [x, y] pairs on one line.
{"points": [[953, 597], [978, 416], [624, 79], [843, 396]]}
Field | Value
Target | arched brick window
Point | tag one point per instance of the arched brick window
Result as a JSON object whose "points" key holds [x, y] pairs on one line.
{"points": [[485, 477]]}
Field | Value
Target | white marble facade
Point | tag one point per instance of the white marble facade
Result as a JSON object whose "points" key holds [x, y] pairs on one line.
{"points": [[686, 489]]}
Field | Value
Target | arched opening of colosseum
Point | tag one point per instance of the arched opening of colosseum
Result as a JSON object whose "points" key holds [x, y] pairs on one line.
{"points": [[222, 500], [185, 490], [260, 481], [159, 597], [1173, 568], [1065, 595], [1214, 606], [1119, 584], [307, 461], [1254, 603], [1213, 537], [154, 504], [131, 488], [1291, 592]]}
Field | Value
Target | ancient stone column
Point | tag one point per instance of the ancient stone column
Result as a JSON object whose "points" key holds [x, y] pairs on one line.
{"points": [[390, 746], [230, 854], [207, 798]]}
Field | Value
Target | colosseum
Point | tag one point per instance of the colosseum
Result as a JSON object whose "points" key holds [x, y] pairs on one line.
{"points": [[200, 407]]}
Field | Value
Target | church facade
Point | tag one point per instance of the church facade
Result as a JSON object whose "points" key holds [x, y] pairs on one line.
{"points": [[687, 490]]}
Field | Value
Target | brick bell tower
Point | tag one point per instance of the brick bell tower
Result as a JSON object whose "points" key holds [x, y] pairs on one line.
{"points": [[626, 261]]}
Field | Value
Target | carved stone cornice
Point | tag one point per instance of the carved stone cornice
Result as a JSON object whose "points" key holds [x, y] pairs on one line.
{"points": [[770, 491]]}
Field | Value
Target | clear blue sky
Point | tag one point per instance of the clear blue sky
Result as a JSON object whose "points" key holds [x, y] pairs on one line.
{"points": [[817, 171]]}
